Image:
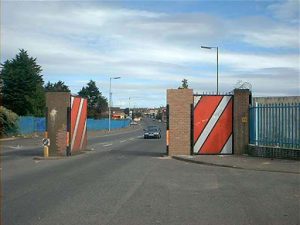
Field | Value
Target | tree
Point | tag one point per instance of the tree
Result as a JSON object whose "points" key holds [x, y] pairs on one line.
{"points": [[22, 90], [184, 84], [97, 104], [58, 86], [8, 122]]}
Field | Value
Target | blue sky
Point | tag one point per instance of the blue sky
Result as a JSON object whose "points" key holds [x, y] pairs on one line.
{"points": [[153, 45]]}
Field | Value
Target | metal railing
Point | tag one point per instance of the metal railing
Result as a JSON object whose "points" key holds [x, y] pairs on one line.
{"points": [[275, 125]]}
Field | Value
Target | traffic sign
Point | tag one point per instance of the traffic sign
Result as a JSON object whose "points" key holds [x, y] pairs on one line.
{"points": [[46, 141]]}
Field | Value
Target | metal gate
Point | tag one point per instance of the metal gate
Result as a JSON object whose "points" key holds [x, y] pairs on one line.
{"points": [[212, 124]]}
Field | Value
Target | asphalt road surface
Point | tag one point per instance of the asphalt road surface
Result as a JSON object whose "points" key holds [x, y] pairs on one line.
{"points": [[126, 180]]}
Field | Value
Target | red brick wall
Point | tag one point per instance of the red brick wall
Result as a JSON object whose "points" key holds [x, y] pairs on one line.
{"points": [[179, 101]]}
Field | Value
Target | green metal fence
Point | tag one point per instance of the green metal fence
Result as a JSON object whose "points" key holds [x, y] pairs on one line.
{"points": [[275, 125]]}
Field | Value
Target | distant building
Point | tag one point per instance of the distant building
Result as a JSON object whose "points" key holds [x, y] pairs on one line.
{"points": [[151, 112], [117, 113]]}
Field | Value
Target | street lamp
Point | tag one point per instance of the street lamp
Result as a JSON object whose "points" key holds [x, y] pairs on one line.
{"points": [[110, 96], [207, 47], [129, 108]]}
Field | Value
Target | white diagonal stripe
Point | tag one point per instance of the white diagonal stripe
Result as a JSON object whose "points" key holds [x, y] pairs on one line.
{"points": [[72, 100], [211, 123], [83, 135], [196, 100], [77, 122], [227, 149]]}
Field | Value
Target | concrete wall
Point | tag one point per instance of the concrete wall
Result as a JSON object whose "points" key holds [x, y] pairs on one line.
{"points": [[273, 100], [179, 101]]}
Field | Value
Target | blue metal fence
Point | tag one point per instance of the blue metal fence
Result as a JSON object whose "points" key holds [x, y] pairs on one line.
{"points": [[103, 124], [29, 124], [275, 125]]}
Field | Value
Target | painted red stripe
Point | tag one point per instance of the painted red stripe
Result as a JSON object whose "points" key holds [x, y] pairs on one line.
{"points": [[80, 128], [203, 112], [74, 112], [220, 133]]}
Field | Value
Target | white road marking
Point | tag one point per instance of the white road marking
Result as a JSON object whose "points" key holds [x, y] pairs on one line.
{"points": [[122, 141], [107, 145], [17, 147]]}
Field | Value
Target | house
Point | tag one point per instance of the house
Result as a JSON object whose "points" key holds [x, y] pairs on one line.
{"points": [[117, 113]]}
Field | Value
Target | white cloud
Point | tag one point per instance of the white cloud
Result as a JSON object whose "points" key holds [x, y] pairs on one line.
{"points": [[286, 10], [85, 40]]}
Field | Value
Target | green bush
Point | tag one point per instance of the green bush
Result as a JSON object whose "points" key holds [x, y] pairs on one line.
{"points": [[8, 122]]}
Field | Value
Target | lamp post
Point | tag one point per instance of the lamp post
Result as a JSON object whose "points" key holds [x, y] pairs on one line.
{"points": [[110, 96], [209, 47], [129, 108]]}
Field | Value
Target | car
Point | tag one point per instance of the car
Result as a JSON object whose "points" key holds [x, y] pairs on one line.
{"points": [[152, 132], [153, 127]]}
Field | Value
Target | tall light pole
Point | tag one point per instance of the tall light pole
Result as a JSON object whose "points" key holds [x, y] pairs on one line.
{"points": [[110, 95], [129, 108], [209, 47]]}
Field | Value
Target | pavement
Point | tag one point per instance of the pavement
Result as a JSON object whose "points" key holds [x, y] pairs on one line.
{"points": [[245, 162]]}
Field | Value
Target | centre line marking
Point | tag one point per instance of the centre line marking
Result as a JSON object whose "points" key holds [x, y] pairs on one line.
{"points": [[107, 145]]}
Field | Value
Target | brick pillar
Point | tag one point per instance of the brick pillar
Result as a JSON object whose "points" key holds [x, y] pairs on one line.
{"points": [[57, 104], [179, 101], [241, 121]]}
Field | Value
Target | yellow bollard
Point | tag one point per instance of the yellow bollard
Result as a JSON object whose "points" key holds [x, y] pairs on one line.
{"points": [[167, 138], [46, 151]]}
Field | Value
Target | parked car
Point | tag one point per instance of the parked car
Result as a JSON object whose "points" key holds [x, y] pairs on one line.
{"points": [[152, 132]]}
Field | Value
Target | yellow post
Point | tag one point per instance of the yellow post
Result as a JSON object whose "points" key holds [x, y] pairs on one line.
{"points": [[168, 138], [46, 151], [46, 148]]}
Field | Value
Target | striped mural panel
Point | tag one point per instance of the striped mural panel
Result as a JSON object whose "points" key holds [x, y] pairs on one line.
{"points": [[78, 123], [213, 124]]}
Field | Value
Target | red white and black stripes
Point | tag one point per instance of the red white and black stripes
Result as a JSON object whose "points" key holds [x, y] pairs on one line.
{"points": [[78, 123], [213, 124]]}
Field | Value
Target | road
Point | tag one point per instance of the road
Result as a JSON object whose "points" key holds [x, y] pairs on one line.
{"points": [[126, 180]]}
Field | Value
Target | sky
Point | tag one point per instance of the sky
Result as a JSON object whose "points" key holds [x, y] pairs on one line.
{"points": [[153, 45]]}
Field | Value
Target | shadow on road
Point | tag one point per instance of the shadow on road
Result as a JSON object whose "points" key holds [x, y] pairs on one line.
{"points": [[23, 152], [138, 153]]}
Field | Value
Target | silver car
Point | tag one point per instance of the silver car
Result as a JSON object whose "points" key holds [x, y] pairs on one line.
{"points": [[152, 132]]}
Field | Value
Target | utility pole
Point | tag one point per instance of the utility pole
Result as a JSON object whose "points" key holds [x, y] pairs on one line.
{"points": [[207, 47], [110, 99]]}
